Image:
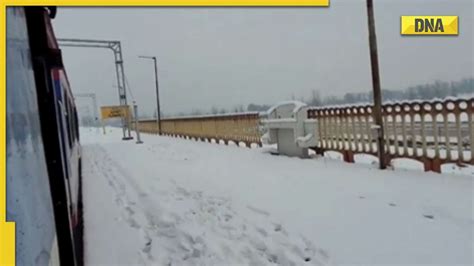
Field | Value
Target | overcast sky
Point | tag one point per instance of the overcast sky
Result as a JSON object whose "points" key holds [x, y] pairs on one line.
{"points": [[228, 56]]}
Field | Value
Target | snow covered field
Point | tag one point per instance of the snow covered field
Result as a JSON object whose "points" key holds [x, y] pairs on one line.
{"points": [[175, 201]]}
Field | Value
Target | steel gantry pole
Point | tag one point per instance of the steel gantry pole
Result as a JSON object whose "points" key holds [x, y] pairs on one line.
{"points": [[377, 112], [116, 47], [158, 110]]}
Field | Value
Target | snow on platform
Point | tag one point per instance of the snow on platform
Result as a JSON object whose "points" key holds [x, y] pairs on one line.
{"points": [[175, 201]]}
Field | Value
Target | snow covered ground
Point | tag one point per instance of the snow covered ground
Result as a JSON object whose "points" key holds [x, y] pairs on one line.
{"points": [[175, 201]]}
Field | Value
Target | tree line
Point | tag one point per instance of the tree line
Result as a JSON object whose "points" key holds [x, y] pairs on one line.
{"points": [[437, 89], [429, 91]]}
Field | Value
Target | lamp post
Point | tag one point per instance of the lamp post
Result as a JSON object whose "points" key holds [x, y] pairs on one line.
{"points": [[158, 112]]}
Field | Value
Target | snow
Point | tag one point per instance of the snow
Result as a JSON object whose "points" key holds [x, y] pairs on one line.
{"points": [[208, 116], [279, 120], [298, 105], [464, 97], [179, 201], [407, 163], [266, 138], [304, 140]]}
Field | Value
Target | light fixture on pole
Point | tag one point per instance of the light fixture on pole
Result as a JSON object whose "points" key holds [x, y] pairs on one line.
{"points": [[158, 112]]}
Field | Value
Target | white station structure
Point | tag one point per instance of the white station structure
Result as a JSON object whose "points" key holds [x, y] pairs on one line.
{"points": [[286, 124]]}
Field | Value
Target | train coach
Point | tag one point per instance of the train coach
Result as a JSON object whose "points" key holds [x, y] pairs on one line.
{"points": [[44, 192]]}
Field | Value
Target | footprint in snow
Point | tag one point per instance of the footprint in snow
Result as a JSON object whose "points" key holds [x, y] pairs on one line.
{"points": [[258, 211]]}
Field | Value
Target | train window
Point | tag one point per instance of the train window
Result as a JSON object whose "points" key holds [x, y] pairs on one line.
{"points": [[73, 126], [73, 123], [68, 121], [76, 124]]}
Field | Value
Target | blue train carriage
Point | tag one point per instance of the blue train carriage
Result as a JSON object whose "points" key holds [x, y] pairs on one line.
{"points": [[44, 193], [69, 130]]}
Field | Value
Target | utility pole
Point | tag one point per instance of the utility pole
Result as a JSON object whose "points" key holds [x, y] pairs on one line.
{"points": [[116, 47], [158, 111], [377, 110]]}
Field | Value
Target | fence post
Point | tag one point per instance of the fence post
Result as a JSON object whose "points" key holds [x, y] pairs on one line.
{"points": [[137, 130]]}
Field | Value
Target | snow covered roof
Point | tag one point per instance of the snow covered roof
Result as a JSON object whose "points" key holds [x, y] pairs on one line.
{"points": [[298, 105], [389, 102]]}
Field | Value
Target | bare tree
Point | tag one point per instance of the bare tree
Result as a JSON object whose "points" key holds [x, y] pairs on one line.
{"points": [[196, 112], [315, 98]]}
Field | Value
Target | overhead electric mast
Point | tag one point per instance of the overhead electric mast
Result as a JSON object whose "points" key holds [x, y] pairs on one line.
{"points": [[115, 46]]}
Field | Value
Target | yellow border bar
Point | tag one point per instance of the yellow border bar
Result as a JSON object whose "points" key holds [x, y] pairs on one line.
{"points": [[7, 229], [3, 196], [314, 3], [7, 243]]}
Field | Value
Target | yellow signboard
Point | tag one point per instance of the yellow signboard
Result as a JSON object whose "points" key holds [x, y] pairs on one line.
{"points": [[429, 25], [114, 111]]}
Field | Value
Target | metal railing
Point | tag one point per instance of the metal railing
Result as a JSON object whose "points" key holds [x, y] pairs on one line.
{"points": [[239, 127], [434, 132]]}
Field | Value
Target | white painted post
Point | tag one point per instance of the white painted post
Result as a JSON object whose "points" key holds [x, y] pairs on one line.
{"points": [[137, 130]]}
